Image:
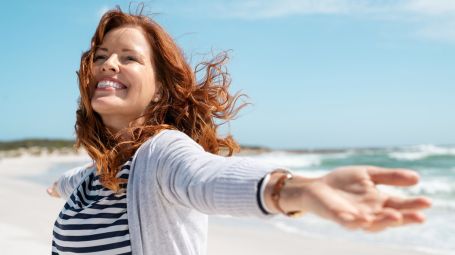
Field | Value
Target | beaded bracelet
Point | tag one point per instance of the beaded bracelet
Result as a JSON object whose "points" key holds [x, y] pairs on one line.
{"points": [[276, 194]]}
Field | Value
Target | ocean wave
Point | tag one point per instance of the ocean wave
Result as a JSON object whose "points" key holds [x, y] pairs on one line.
{"points": [[290, 160], [443, 205], [339, 155], [420, 152], [434, 187], [430, 237]]}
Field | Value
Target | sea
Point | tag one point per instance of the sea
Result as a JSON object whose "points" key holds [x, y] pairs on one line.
{"points": [[435, 164]]}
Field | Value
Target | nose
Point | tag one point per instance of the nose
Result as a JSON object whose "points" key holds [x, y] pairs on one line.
{"points": [[111, 64]]}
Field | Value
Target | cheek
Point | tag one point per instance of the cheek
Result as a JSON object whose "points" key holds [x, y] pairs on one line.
{"points": [[146, 82], [95, 70], [91, 87], [147, 91]]}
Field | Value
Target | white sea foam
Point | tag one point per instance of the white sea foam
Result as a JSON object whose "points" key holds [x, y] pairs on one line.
{"points": [[394, 191], [442, 190], [313, 173], [419, 152], [290, 160], [435, 236], [434, 186], [443, 204], [339, 155]]}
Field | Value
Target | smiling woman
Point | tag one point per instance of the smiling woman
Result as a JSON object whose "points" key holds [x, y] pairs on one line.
{"points": [[151, 131]]}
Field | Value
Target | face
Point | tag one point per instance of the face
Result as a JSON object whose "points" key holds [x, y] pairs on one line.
{"points": [[124, 75]]}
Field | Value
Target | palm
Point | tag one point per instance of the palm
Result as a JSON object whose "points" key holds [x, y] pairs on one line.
{"points": [[356, 188]]}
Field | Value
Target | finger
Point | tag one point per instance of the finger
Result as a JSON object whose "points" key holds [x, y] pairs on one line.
{"points": [[386, 218], [393, 176], [352, 220], [49, 191], [52, 192], [413, 218], [389, 220], [417, 203]]}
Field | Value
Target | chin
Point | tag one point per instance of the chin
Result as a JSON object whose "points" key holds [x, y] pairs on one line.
{"points": [[105, 108]]}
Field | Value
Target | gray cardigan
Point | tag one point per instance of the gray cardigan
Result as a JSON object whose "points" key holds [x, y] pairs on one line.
{"points": [[173, 185]]}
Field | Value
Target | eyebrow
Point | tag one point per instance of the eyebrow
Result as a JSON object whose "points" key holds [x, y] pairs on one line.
{"points": [[123, 50]]}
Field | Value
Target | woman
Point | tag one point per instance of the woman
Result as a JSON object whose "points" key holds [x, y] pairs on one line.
{"points": [[151, 131]]}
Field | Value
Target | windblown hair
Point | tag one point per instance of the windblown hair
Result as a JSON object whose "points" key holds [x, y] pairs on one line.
{"points": [[191, 106]]}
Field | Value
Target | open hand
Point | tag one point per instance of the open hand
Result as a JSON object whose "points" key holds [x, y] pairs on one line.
{"points": [[349, 196], [52, 190]]}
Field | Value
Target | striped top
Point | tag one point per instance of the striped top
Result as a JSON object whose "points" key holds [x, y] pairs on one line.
{"points": [[94, 219]]}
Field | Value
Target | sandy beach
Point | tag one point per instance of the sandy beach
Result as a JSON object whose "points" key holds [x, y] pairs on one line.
{"points": [[237, 236], [28, 213]]}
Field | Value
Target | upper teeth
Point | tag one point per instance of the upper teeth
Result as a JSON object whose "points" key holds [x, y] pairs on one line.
{"points": [[104, 84]]}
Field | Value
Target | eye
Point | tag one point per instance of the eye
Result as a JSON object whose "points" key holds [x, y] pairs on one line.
{"points": [[98, 57], [131, 58]]}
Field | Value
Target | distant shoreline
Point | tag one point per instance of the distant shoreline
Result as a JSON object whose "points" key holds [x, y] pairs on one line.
{"points": [[62, 147], [50, 144], [39, 147]]}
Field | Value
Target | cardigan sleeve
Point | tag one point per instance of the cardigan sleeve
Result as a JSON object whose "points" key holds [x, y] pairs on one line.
{"points": [[189, 176], [69, 180]]}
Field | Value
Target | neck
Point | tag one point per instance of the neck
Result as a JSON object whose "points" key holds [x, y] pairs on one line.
{"points": [[118, 123]]}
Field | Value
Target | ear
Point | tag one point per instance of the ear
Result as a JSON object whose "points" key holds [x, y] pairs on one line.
{"points": [[157, 97]]}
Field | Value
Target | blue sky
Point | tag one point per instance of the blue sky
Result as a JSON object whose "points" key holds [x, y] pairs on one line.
{"points": [[320, 74]]}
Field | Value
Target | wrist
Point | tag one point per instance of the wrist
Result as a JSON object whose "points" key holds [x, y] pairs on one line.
{"points": [[290, 194]]}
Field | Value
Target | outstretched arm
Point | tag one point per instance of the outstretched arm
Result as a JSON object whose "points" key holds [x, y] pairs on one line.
{"points": [[68, 181], [349, 196]]}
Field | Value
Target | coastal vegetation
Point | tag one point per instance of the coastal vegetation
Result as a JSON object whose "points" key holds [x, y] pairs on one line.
{"points": [[36, 147], [50, 144]]}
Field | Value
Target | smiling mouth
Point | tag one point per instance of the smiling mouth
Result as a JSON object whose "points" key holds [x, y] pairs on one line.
{"points": [[105, 84]]}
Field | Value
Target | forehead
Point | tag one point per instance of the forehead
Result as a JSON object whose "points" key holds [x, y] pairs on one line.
{"points": [[129, 37]]}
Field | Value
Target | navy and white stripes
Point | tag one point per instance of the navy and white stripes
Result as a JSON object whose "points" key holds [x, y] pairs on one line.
{"points": [[94, 219]]}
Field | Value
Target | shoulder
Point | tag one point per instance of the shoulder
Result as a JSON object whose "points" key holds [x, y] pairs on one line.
{"points": [[167, 141], [169, 138], [80, 171]]}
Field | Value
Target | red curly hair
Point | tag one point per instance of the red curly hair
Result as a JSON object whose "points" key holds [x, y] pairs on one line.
{"points": [[190, 106]]}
